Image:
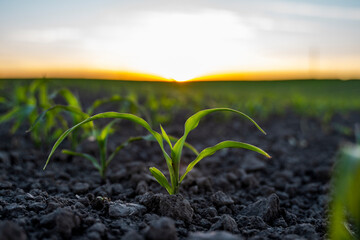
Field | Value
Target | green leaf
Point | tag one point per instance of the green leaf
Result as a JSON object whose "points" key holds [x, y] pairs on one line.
{"points": [[117, 98], [127, 116], [193, 121], [226, 144], [3, 100], [165, 136], [84, 155], [10, 114], [69, 97], [71, 109], [106, 131], [161, 179], [187, 145], [100, 102]]}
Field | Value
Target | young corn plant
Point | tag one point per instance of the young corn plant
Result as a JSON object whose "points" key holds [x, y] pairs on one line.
{"points": [[173, 159], [102, 136], [78, 113], [28, 101]]}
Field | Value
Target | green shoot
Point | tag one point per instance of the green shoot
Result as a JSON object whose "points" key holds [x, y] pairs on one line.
{"points": [[78, 114], [172, 160], [176, 150], [27, 102]]}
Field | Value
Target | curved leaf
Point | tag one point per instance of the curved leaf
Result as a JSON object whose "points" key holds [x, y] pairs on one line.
{"points": [[117, 98], [71, 109], [161, 179], [193, 121], [226, 144], [187, 145], [70, 98], [127, 116], [165, 136]]}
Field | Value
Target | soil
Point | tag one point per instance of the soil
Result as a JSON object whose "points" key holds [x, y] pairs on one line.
{"points": [[234, 194]]}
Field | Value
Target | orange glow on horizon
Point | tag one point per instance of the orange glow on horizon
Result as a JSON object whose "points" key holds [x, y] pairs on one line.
{"points": [[140, 76]]}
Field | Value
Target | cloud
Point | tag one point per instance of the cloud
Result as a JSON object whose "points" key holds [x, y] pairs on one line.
{"points": [[46, 35], [315, 10]]}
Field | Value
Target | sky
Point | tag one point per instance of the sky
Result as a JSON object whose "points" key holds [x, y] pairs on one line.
{"points": [[180, 40]]}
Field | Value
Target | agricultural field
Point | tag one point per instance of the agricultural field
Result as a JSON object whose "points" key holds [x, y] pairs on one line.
{"points": [[98, 159]]}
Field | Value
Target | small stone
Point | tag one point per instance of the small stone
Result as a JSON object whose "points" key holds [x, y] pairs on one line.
{"points": [[151, 201], [209, 212], [280, 222], [63, 220], [290, 218], [220, 199], [176, 207], [268, 208], [37, 206], [99, 228], [80, 188], [11, 231], [227, 223], [5, 185], [117, 188], [15, 209], [305, 230], [251, 222], [213, 236], [93, 236], [141, 188], [118, 209], [132, 235], [162, 229], [79, 205]]}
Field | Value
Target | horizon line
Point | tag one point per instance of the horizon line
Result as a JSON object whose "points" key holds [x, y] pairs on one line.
{"points": [[273, 75]]}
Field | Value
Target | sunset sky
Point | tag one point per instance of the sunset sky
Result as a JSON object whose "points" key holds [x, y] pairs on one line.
{"points": [[181, 40]]}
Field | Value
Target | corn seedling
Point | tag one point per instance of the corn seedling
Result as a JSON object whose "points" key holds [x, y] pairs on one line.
{"points": [[78, 114], [27, 102], [101, 137], [172, 159], [345, 205]]}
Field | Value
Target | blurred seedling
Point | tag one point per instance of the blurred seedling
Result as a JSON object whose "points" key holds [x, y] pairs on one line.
{"points": [[26, 103], [345, 204], [78, 113], [172, 160]]}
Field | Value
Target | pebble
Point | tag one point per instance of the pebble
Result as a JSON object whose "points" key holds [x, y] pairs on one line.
{"points": [[162, 229], [227, 223], [63, 220], [220, 199], [267, 208], [11, 231], [176, 207], [118, 209], [213, 236]]}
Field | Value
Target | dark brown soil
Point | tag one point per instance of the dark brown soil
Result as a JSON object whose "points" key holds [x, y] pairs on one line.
{"points": [[235, 194]]}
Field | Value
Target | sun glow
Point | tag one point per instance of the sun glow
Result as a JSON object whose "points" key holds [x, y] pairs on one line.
{"points": [[178, 46]]}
